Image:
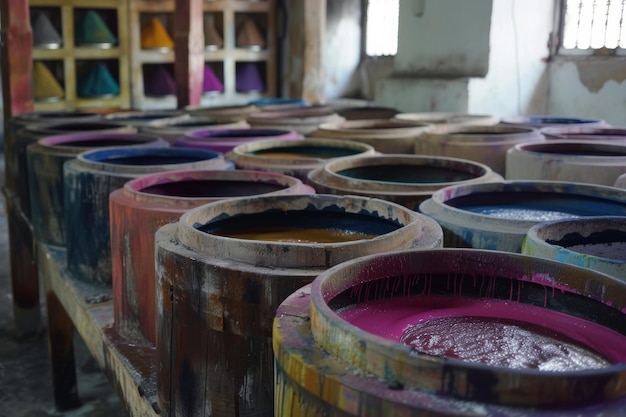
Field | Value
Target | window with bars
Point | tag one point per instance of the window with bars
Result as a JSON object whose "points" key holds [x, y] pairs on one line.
{"points": [[593, 27], [381, 28]]}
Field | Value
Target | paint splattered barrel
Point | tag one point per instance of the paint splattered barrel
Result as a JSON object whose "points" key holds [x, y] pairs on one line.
{"points": [[45, 172], [88, 181], [402, 179], [239, 112], [485, 144], [146, 203], [303, 120], [224, 268], [294, 157], [224, 140], [177, 128], [497, 215], [542, 121], [566, 160], [32, 133], [597, 133], [446, 118], [140, 118], [386, 136], [597, 243], [452, 332]]}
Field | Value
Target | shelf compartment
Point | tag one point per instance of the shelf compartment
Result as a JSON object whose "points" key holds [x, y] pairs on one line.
{"points": [[47, 28], [95, 28]]}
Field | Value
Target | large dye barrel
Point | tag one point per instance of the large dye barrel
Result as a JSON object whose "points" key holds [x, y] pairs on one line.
{"points": [[597, 133], [139, 118], [497, 215], [294, 157], [452, 332], [598, 243], [485, 144], [88, 181], [177, 128], [402, 179], [542, 121], [224, 268], [303, 120], [32, 133], [146, 203], [238, 112], [45, 173], [445, 118], [386, 136], [567, 160], [224, 140]]}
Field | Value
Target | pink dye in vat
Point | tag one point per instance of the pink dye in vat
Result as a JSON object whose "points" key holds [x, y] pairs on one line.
{"points": [[490, 331]]}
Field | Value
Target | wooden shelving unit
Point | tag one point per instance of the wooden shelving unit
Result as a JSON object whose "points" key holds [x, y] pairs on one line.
{"points": [[67, 61]]}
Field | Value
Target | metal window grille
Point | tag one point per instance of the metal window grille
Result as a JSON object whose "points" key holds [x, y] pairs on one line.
{"points": [[381, 36], [590, 25]]}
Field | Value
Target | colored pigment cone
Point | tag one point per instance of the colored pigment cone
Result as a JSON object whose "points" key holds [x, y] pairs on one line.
{"points": [[92, 30], [249, 35], [212, 39], [158, 82], [211, 83], [154, 36], [45, 85], [248, 78], [45, 34], [98, 82]]}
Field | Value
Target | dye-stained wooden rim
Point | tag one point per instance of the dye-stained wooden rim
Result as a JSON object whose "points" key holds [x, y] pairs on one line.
{"points": [[541, 241], [416, 230], [445, 118], [395, 363]]}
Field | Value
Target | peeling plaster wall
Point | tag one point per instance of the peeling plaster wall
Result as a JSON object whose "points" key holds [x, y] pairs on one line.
{"points": [[589, 87], [517, 81]]}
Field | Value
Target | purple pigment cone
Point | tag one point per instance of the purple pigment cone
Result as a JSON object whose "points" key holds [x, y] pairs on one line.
{"points": [[98, 82], [249, 78], [211, 82], [158, 82]]}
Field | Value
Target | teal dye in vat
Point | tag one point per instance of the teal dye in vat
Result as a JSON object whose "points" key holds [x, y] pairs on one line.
{"points": [[406, 174], [536, 206], [322, 152]]}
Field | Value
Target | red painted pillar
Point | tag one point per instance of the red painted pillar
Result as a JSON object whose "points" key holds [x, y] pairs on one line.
{"points": [[189, 51]]}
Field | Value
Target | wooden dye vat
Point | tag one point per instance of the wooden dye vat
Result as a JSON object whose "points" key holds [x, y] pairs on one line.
{"points": [[224, 140], [497, 215], [88, 181], [145, 204], [295, 158], [384, 135], [597, 243], [224, 268], [402, 179], [341, 345], [45, 166], [485, 144]]}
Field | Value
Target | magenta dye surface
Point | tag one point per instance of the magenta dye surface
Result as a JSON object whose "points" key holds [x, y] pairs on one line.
{"points": [[494, 332]]}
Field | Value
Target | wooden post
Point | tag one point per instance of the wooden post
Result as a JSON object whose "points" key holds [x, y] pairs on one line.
{"points": [[188, 51]]}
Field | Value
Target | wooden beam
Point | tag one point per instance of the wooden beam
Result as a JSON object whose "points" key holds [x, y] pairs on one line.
{"points": [[189, 51], [17, 47]]}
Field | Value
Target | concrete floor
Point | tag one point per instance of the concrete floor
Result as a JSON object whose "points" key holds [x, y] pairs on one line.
{"points": [[25, 377]]}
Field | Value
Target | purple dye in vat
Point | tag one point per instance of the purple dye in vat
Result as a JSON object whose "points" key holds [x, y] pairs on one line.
{"points": [[521, 335]]}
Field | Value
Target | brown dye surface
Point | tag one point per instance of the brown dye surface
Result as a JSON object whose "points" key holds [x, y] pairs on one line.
{"points": [[501, 342], [296, 235]]}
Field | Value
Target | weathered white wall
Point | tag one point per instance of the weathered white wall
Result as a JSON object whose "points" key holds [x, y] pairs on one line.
{"points": [[589, 87], [517, 81]]}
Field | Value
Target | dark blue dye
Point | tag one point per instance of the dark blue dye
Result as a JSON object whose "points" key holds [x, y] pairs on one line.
{"points": [[576, 205], [78, 127], [239, 133], [150, 156], [210, 188], [406, 174], [302, 219], [559, 120], [101, 143], [323, 152], [274, 101], [596, 238]]}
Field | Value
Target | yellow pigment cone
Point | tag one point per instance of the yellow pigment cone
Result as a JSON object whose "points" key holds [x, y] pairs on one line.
{"points": [[212, 38], [45, 85], [249, 35], [154, 36]]}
